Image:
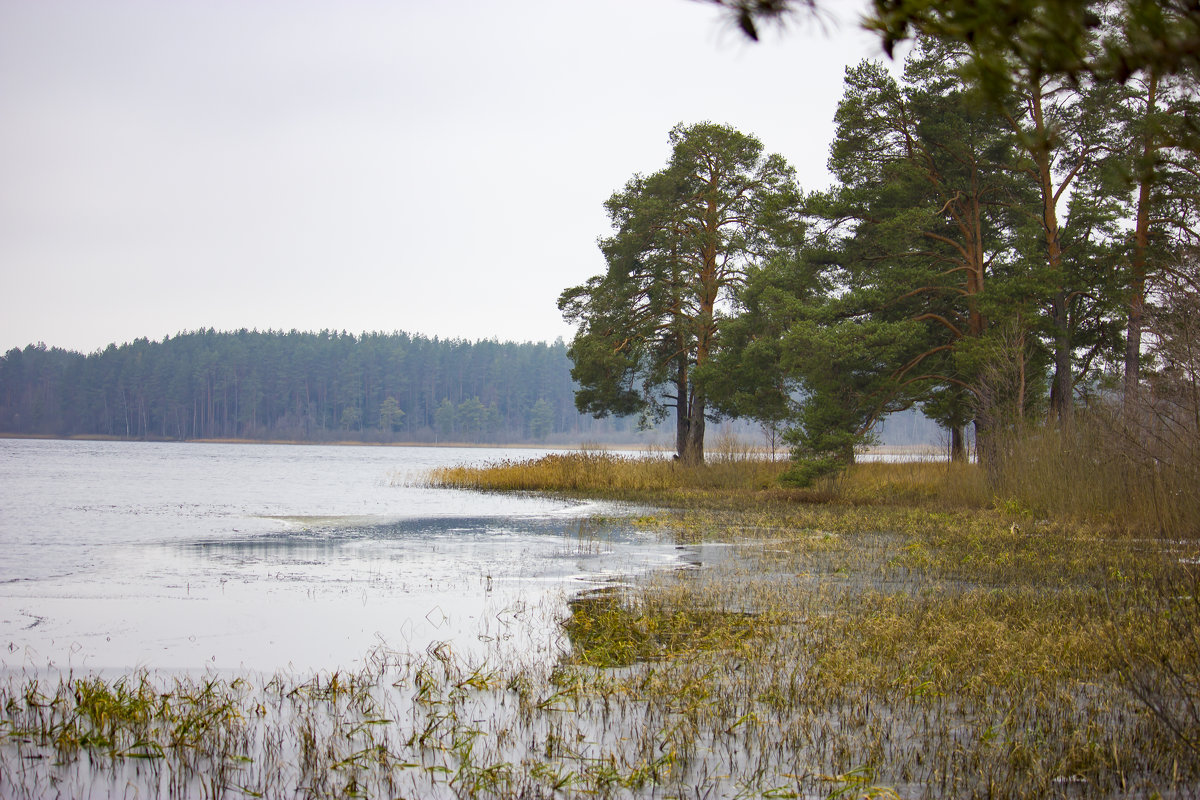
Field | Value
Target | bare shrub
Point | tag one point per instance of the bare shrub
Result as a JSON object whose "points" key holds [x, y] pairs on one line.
{"points": [[1132, 461], [1161, 425]]}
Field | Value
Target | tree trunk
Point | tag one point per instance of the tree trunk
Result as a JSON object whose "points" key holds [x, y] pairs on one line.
{"points": [[1141, 244], [1062, 390], [681, 412], [693, 451], [958, 444], [985, 447]]}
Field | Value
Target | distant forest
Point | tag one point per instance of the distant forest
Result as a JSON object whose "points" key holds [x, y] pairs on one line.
{"points": [[325, 386]]}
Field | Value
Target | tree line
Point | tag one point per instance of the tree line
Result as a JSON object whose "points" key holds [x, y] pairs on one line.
{"points": [[1010, 234], [297, 386]]}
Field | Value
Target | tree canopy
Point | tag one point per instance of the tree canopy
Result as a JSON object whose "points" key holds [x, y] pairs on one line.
{"points": [[1046, 37], [683, 240], [983, 255], [1006, 218]]}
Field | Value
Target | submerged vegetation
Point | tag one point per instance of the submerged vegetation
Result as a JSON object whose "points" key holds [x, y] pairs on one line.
{"points": [[902, 630]]}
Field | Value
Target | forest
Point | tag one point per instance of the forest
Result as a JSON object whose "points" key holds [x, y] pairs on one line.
{"points": [[325, 386]]}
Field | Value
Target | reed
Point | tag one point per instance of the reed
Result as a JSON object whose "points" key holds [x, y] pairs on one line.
{"points": [[1105, 467], [915, 483], [738, 477], [1087, 471], [608, 628], [609, 474]]}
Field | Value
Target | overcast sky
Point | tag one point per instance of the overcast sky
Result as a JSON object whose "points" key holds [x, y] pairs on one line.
{"points": [[433, 167]]}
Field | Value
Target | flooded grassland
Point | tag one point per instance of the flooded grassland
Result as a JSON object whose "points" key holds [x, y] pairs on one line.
{"points": [[799, 650]]}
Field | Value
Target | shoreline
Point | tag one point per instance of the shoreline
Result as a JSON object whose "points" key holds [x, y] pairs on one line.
{"points": [[97, 437], [924, 450]]}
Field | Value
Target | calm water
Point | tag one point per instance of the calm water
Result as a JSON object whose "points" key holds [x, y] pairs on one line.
{"points": [[116, 555]]}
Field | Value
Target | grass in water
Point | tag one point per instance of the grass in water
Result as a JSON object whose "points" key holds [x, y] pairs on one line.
{"points": [[900, 631], [607, 628]]}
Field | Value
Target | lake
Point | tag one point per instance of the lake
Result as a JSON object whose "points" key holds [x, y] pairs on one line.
{"points": [[126, 555]]}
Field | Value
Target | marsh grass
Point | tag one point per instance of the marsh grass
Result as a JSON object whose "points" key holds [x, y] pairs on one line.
{"points": [[915, 483], [1087, 472], [1036, 614], [607, 628], [609, 474], [733, 476], [885, 653], [959, 654], [1105, 468]]}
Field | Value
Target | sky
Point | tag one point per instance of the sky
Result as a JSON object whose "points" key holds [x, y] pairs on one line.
{"points": [[361, 165]]}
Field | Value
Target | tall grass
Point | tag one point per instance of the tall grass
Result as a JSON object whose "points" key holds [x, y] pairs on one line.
{"points": [[937, 594], [599, 472], [1104, 467], [937, 484], [730, 475]]}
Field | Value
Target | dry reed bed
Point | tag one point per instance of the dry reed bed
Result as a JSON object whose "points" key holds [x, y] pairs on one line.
{"points": [[850, 649], [607, 474]]}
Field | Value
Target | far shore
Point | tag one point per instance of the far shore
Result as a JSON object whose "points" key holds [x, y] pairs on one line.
{"points": [[97, 437], [925, 450]]}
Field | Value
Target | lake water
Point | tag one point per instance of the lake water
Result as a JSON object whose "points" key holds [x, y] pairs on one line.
{"points": [[120, 555]]}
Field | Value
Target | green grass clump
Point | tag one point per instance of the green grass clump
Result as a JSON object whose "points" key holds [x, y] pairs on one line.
{"points": [[606, 629]]}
